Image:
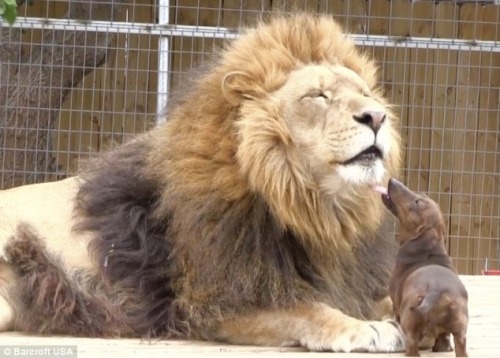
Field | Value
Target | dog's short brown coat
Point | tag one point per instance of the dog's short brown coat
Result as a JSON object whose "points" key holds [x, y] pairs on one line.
{"points": [[428, 297]]}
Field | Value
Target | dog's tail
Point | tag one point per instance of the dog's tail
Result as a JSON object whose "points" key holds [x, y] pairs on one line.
{"points": [[433, 301]]}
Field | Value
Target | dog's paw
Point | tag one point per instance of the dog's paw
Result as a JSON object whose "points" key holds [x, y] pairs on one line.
{"points": [[364, 336], [442, 343]]}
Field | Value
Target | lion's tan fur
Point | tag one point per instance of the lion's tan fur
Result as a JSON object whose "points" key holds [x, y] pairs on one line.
{"points": [[251, 238]]}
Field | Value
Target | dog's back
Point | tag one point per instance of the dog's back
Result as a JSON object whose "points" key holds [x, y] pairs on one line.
{"points": [[436, 300]]}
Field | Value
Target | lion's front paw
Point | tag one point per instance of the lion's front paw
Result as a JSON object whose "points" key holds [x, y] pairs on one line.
{"points": [[6, 315], [375, 336]]}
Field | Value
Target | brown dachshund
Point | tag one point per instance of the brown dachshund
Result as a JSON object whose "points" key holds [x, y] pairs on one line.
{"points": [[428, 297]]}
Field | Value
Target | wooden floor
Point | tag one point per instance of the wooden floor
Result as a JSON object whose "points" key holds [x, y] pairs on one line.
{"points": [[483, 337]]}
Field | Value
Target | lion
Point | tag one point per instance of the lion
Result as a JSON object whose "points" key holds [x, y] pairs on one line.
{"points": [[247, 217]]}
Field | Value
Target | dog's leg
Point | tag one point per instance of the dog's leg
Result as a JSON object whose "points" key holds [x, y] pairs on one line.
{"points": [[412, 346], [442, 343], [316, 327], [460, 344]]}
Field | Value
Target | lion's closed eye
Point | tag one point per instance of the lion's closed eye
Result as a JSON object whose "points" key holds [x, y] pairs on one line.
{"points": [[318, 94]]}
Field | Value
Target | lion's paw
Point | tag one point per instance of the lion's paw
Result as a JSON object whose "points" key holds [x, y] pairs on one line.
{"points": [[374, 336], [6, 315]]}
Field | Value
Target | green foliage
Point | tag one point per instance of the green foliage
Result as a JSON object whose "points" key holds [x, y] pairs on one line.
{"points": [[8, 10]]}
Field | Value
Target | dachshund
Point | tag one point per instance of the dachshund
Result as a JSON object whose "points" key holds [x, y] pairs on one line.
{"points": [[429, 299]]}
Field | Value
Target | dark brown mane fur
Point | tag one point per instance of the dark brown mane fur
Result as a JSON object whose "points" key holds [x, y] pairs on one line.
{"points": [[116, 200]]}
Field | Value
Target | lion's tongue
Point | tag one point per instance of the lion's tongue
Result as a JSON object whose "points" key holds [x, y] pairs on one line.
{"points": [[380, 189]]}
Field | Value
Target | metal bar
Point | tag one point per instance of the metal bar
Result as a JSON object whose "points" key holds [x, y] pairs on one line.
{"points": [[163, 62], [426, 43], [122, 27], [226, 33]]}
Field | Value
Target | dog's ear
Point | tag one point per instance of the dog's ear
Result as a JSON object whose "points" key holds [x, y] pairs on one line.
{"points": [[420, 247]]}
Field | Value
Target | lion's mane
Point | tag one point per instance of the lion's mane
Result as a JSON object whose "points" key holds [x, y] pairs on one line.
{"points": [[209, 215]]}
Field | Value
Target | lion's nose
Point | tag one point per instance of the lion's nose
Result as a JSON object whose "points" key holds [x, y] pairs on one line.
{"points": [[372, 119]]}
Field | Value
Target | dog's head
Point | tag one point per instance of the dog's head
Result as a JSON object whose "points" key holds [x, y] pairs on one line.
{"points": [[416, 212]]}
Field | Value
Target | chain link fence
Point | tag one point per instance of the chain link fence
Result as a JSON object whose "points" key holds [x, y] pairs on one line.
{"points": [[81, 76]]}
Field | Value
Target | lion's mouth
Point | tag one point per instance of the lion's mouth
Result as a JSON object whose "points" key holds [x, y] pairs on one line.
{"points": [[367, 156]]}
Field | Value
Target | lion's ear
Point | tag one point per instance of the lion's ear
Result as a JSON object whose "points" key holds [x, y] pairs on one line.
{"points": [[237, 86]]}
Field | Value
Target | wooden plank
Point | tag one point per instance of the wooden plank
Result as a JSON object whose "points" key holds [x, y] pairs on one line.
{"points": [[188, 52], [114, 101], [137, 64], [486, 221], [375, 25], [389, 18], [140, 78], [76, 122], [356, 20], [334, 7], [352, 15], [78, 125], [238, 13], [182, 58], [420, 99], [55, 9], [289, 6], [110, 97], [482, 336], [79, 122], [67, 120], [443, 104], [463, 144]]}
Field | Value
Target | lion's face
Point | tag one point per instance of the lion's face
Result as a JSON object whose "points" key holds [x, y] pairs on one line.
{"points": [[310, 130], [341, 129], [317, 142]]}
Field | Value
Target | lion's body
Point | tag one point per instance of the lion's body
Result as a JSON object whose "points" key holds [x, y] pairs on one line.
{"points": [[248, 217]]}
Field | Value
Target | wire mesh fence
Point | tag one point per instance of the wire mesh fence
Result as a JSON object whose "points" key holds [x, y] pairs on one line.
{"points": [[79, 77]]}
